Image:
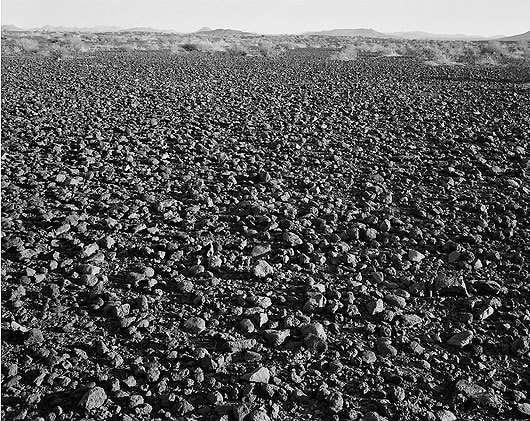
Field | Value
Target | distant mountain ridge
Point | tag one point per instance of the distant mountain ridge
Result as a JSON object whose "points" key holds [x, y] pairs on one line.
{"points": [[359, 32], [223, 32], [354, 32], [92, 29], [441, 37], [518, 37], [11, 28]]}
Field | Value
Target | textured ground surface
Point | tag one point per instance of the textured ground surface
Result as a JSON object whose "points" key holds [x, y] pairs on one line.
{"points": [[213, 237]]}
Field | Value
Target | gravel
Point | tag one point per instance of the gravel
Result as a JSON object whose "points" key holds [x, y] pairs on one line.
{"points": [[206, 236]]}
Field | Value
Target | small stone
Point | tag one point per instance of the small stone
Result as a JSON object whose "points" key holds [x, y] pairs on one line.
{"points": [[416, 348], [251, 356], [486, 312], [450, 285], [259, 415], [153, 373], [524, 408], [89, 250], [260, 375], [411, 319], [135, 400], [240, 412], [385, 348], [445, 415], [240, 345], [130, 381], [315, 329], [11, 370], [144, 409], [487, 287], [107, 242], [397, 393], [276, 337], [370, 234], [260, 250], [314, 303], [62, 229], [478, 393], [454, 256], [415, 256], [195, 324], [197, 270], [89, 269], [461, 339], [93, 399], [372, 416], [184, 285], [51, 290], [521, 345], [33, 337], [148, 271], [292, 239], [183, 407], [385, 226], [395, 300], [247, 326], [336, 402], [374, 307], [262, 269], [263, 302], [369, 357]]}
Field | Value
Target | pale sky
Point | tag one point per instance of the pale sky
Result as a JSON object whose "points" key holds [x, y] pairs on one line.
{"points": [[471, 17]]}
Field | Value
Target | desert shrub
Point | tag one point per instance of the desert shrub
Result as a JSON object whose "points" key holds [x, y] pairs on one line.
{"points": [[347, 54], [128, 47], [466, 53], [56, 51], [406, 48], [29, 45], [268, 49], [358, 49], [237, 49], [203, 46], [492, 48], [191, 46], [524, 47], [378, 50], [292, 45], [487, 60], [434, 54], [74, 43]]}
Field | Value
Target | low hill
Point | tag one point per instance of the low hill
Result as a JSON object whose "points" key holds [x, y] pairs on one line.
{"points": [[440, 37], [11, 28], [223, 32], [518, 37], [359, 32]]}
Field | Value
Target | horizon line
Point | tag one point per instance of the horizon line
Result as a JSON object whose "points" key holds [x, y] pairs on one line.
{"points": [[263, 33]]}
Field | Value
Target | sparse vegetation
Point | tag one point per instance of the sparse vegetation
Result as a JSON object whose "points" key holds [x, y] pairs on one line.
{"points": [[490, 53]]}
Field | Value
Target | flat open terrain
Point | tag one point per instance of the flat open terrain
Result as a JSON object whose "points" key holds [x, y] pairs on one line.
{"points": [[206, 236]]}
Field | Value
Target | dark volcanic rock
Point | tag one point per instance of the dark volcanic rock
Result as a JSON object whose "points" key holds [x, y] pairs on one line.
{"points": [[93, 399], [221, 235]]}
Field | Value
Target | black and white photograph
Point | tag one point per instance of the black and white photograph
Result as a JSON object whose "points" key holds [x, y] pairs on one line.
{"points": [[265, 210]]}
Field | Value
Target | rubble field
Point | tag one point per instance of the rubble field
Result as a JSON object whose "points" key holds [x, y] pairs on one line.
{"points": [[215, 237]]}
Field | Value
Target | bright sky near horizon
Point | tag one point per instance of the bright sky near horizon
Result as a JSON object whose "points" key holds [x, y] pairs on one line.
{"points": [[472, 17]]}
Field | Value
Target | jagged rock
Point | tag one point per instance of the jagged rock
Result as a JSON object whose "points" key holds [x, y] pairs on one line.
{"points": [[33, 337], [260, 375], [262, 269], [461, 339], [93, 398], [195, 325]]}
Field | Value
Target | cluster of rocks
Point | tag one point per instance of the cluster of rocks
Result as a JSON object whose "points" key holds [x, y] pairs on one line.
{"points": [[230, 238]]}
